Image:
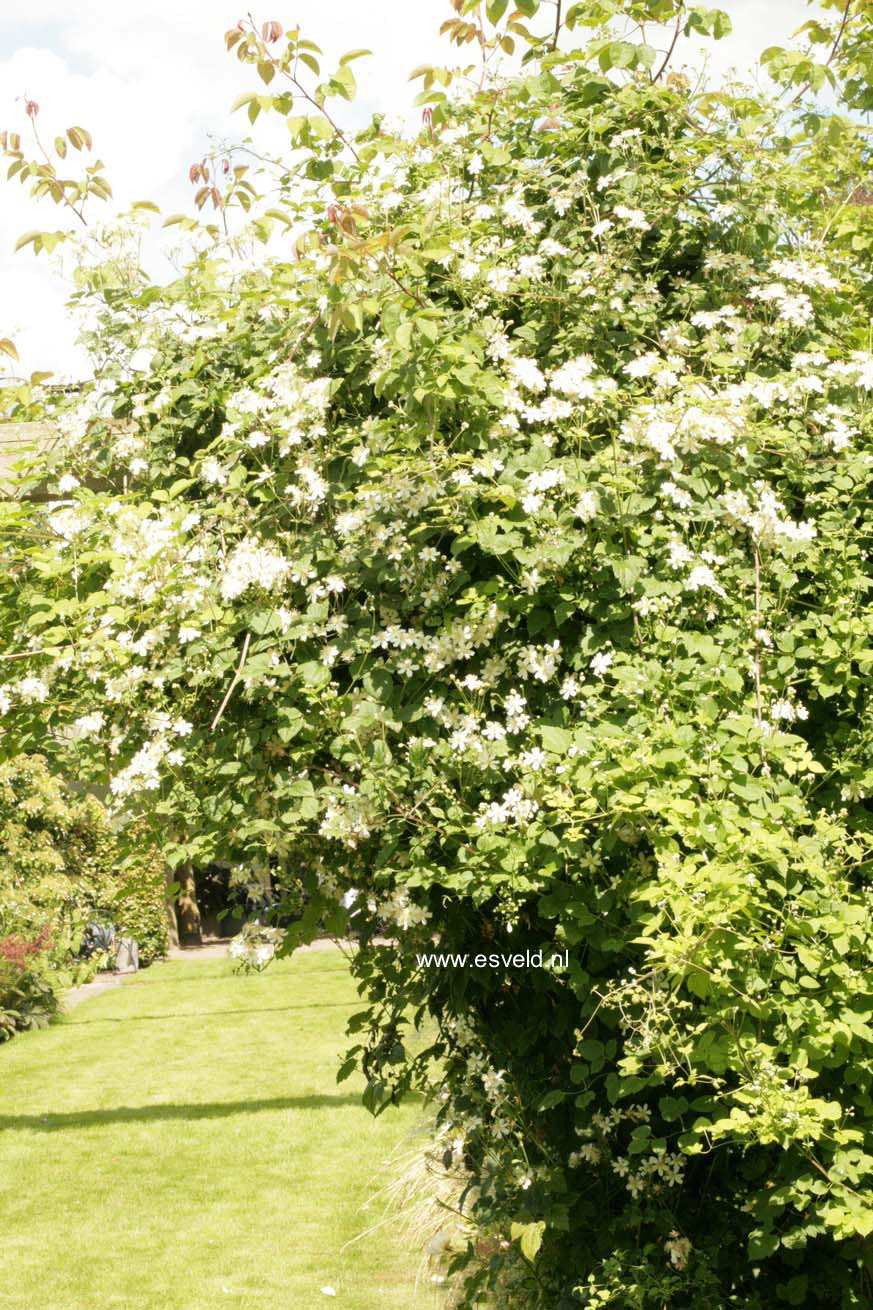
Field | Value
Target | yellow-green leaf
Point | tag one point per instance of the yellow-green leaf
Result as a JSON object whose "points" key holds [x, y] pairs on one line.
{"points": [[529, 1237]]}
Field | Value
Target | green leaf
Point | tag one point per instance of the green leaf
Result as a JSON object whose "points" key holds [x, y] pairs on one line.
{"points": [[762, 1244], [353, 54], [314, 674], [672, 1107], [343, 83], [79, 139], [320, 128], [529, 1238], [703, 645], [495, 9], [556, 740], [698, 983], [619, 54], [795, 1291], [714, 23], [628, 571]]}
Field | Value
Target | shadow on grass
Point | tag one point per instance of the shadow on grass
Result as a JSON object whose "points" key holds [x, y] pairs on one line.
{"points": [[163, 973], [208, 1014], [51, 1123]]}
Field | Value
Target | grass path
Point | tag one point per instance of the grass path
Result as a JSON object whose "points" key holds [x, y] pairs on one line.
{"points": [[180, 1143]]}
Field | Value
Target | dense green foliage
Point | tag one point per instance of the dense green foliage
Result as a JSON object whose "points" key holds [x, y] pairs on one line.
{"points": [[60, 868], [134, 896], [503, 556]]}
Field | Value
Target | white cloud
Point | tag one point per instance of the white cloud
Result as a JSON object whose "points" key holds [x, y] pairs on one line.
{"points": [[153, 82]]}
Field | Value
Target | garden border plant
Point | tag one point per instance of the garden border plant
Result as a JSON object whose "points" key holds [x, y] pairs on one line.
{"points": [[61, 868]]}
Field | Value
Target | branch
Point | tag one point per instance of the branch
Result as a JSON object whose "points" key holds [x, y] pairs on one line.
{"points": [[558, 4], [234, 680], [839, 37], [64, 198], [757, 638], [303, 335], [669, 54], [760, 716], [292, 78], [321, 109], [406, 290], [834, 48]]}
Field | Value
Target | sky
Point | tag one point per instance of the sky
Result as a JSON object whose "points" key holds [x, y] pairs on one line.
{"points": [[153, 84]]}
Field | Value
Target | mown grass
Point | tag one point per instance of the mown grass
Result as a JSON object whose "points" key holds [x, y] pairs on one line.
{"points": [[180, 1143]]}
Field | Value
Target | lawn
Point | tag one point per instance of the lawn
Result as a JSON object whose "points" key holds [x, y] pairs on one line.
{"points": [[180, 1142]]}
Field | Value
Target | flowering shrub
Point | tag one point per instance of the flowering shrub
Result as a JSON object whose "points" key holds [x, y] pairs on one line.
{"points": [[254, 947], [503, 554]]}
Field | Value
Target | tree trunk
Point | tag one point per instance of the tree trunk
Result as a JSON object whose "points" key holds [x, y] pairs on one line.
{"points": [[187, 909], [172, 921]]}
